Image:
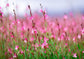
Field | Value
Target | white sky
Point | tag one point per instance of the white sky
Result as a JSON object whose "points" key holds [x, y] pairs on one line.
{"points": [[49, 5]]}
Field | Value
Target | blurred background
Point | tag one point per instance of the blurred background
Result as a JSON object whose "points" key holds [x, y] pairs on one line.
{"points": [[53, 7]]}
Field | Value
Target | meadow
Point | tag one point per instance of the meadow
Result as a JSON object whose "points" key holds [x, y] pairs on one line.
{"points": [[41, 37]]}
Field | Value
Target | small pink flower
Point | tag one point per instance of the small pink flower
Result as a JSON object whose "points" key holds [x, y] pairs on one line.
{"points": [[11, 58], [21, 52], [69, 50], [79, 36], [7, 5], [0, 7], [74, 39], [9, 50], [36, 45], [41, 10], [5, 53], [65, 16], [25, 40], [44, 51], [16, 47], [65, 29], [59, 39], [18, 21], [32, 39], [83, 17], [75, 55], [82, 31], [66, 44], [43, 45], [15, 55], [82, 51], [53, 36]]}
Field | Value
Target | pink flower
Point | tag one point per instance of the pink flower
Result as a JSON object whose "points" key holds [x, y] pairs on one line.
{"points": [[82, 51], [53, 36], [11, 58], [74, 39], [18, 21], [43, 45], [83, 17], [44, 51], [7, 5], [21, 52], [65, 29], [59, 39], [16, 47], [66, 44], [75, 55], [15, 55], [69, 50], [65, 16], [9, 50], [36, 45], [25, 40], [32, 39], [79, 36], [41, 10], [0, 7], [82, 31]]}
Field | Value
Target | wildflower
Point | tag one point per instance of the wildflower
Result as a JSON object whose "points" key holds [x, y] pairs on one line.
{"points": [[32, 39], [18, 21], [9, 50], [21, 52], [65, 29], [74, 39], [65, 16], [16, 47], [82, 51], [0, 7], [25, 40], [59, 39], [79, 36], [7, 5], [82, 31], [15, 55], [69, 50], [75, 55], [66, 44]]}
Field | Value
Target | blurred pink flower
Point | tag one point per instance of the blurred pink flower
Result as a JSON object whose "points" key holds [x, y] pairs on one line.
{"points": [[74, 39], [75, 55], [16, 47], [59, 39], [42, 45], [14, 56], [65, 29], [79, 36], [7, 5], [65, 16], [21, 52], [10, 51], [66, 44], [44, 51], [82, 31], [32, 39], [69, 50], [82, 51], [0, 7], [25, 40], [41, 10]]}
